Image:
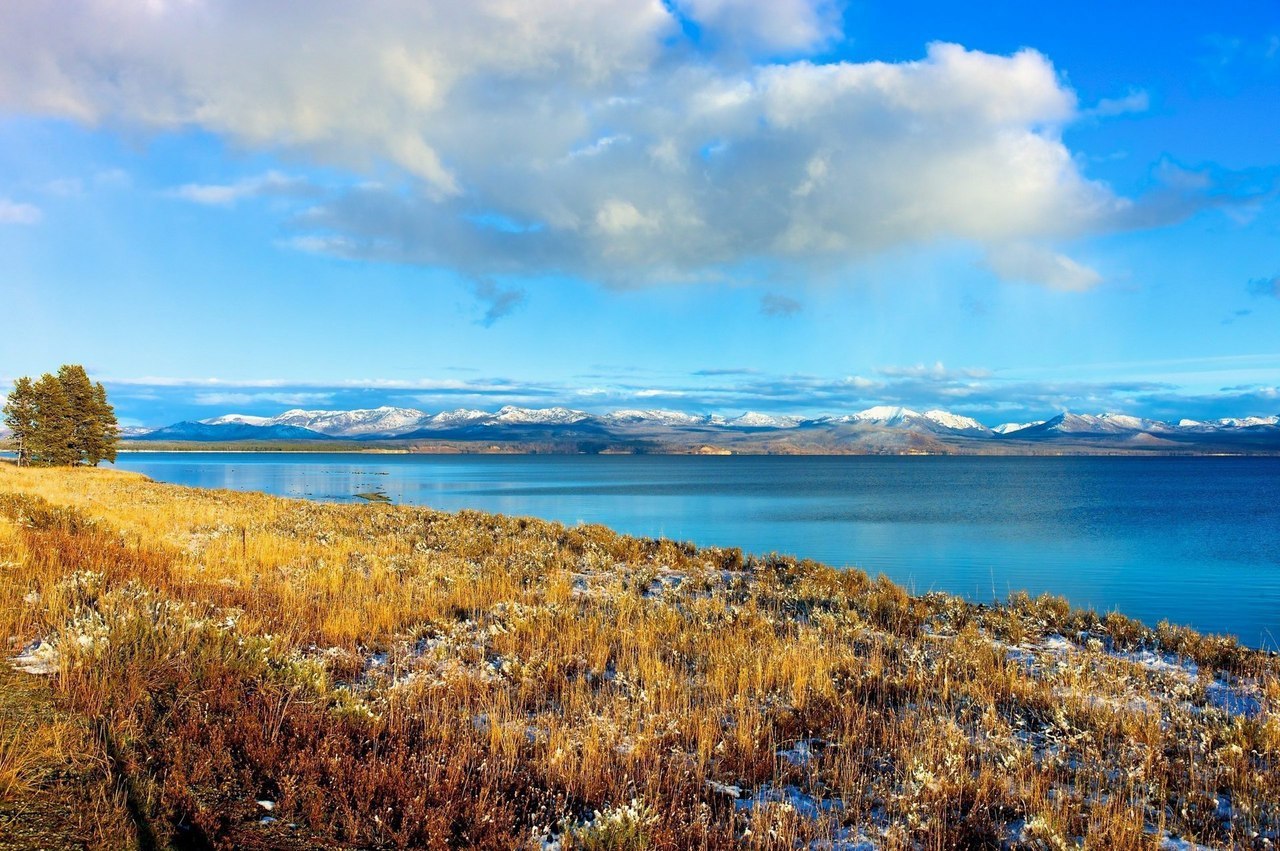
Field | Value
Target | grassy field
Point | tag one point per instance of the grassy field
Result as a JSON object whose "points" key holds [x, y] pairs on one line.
{"points": [[218, 669]]}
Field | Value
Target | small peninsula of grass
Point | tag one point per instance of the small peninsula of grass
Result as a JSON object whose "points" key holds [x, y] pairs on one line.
{"points": [[234, 670]]}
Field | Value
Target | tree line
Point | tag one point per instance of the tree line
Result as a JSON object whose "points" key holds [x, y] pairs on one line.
{"points": [[61, 419]]}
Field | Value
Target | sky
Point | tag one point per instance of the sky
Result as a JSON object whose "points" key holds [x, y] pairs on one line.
{"points": [[1004, 210]]}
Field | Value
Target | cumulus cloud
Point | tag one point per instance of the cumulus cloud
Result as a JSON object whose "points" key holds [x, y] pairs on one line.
{"points": [[16, 213], [611, 148]]}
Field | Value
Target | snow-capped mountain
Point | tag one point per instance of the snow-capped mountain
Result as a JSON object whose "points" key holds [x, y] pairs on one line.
{"points": [[454, 419], [1100, 424], [752, 419], [885, 415], [889, 416], [879, 428], [511, 415], [384, 420], [1010, 428], [955, 422], [653, 417], [1247, 422]]}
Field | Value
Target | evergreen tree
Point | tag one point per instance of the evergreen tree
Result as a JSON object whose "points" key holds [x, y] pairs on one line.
{"points": [[63, 419], [106, 431], [53, 439], [79, 392], [20, 417]]}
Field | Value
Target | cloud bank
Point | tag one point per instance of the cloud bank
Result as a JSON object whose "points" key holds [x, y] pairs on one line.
{"points": [[622, 141]]}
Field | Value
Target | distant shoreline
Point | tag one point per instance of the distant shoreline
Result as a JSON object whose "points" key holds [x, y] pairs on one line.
{"points": [[1003, 452]]}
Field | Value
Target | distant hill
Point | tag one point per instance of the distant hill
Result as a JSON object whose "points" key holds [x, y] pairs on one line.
{"points": [[208, 432]]}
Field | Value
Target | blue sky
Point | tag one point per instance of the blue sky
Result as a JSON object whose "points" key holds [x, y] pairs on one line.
{"points": [[709, 205]]}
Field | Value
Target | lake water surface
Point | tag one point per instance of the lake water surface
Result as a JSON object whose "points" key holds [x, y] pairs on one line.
{"points": [[1191, 540]]}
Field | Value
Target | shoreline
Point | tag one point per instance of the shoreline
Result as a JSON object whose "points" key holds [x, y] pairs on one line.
{"points": [[1109, 577]]}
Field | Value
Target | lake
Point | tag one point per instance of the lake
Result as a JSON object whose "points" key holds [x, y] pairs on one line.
{"points": [[1192, 540]]}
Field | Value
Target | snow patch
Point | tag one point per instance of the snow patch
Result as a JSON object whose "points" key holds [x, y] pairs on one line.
{"points": [[39, 658]]}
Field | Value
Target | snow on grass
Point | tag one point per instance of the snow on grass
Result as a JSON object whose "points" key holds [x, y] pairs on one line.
{"points": [[1169, 843], [792, 797], [39, 658]]}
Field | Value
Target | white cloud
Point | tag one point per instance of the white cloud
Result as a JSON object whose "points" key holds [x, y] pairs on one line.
{"points": [[220, 399], [1036, 264], [631, 158], [225, 195], [16, 213]]}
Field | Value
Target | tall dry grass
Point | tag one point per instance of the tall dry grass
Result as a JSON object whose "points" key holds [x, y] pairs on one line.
{"points": [[399, 677]]}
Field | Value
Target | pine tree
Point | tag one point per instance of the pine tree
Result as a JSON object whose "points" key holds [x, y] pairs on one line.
{"points": [[106, 431], [84, 422], [52, 440], [63, 419], [20, 417]]}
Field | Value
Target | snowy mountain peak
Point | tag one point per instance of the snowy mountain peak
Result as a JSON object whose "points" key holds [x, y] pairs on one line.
{"points": [[540, 416], [1108, 423], [655, 417], [1010, 428], [1248, 422], [955, 422], [886, 414], [456, 417], [752, 419], [382, 420]]}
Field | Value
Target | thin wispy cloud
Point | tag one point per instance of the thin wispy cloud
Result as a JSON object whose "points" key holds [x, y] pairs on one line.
{"points": [[19, 213], [937, 372], [234, 399], [227, 194], [1135, 101]]}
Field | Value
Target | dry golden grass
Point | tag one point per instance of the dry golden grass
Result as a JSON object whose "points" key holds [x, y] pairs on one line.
{"points": [[399, 677]]}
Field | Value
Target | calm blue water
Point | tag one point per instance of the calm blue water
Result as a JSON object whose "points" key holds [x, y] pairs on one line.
{"points": [[1192, 540]]}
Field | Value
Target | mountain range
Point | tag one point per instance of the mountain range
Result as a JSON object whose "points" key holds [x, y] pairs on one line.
{"points": [[878, 429]]}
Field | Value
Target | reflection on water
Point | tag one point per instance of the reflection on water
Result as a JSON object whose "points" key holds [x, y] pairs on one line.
{"points": [[1191, 540]]}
